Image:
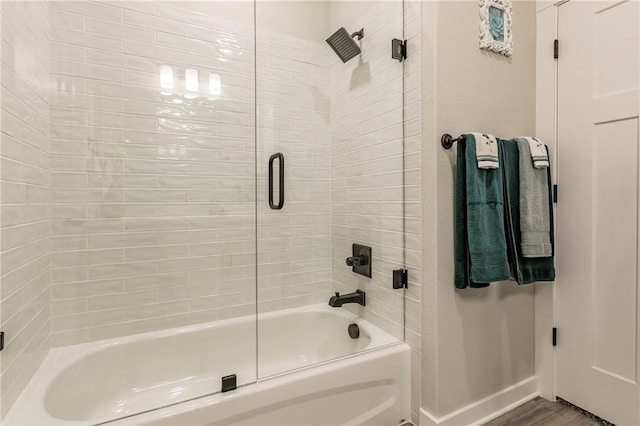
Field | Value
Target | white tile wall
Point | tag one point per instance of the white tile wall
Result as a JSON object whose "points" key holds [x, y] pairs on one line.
{"points": [[24, 191], [148, 181], [367, 161], [153, 214], [294, 256]]}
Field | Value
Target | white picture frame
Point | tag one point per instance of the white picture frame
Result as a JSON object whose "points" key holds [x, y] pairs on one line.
{"points": [[495, 26]]}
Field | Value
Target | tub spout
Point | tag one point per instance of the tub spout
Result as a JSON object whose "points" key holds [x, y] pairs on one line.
{"points": [[357, 296]]}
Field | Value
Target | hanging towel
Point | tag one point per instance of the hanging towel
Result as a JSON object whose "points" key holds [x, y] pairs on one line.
{"points": [[486, 150], [525, 269], [539, 155], [534, 212], [480, 242]]}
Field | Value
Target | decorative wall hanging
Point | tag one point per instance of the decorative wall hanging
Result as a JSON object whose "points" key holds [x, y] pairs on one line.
{"points": [[495, 26]]}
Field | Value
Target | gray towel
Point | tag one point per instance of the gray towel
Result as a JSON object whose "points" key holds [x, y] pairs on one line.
{"points": [[525, 269], [534, 206]]}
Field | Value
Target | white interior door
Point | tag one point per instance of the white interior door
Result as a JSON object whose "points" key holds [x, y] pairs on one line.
{"points": [[597, 219]]}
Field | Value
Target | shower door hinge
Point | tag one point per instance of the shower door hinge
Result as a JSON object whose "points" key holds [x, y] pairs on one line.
{"points": [[400, 278], [1, 340], [555, 193], [554, 336], [556, 49], [399, 49]]}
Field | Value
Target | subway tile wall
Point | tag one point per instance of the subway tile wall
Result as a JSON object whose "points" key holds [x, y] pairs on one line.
{"points": [[367, 164], [294, 255], [368, 105], [154, 217], [152, 168], [372, 109], [24, 194]]}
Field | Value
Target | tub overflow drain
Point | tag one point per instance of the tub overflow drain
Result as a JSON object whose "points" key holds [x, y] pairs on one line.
{"points": [[354, 331]]}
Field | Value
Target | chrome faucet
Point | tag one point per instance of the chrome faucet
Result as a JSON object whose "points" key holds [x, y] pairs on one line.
{"points": [[338, 300]]}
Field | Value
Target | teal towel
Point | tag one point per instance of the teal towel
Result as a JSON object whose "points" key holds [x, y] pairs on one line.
{"points": [[526, 269], [480, 242]]}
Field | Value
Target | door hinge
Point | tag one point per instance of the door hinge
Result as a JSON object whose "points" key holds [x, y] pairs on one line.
{"points": [[556, 49], [399, 49], [555, 193], [554, 336], [400, 278], [1, 340]]}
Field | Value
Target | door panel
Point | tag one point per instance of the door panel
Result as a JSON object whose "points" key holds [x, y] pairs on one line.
{"points": [[614, 227], [597, 284], [339, 128]]}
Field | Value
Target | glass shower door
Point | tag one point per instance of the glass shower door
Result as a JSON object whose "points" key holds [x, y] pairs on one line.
{"points": [[338, 127]]}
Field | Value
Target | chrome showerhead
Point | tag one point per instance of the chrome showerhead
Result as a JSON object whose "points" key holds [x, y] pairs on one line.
{"points": [[344, 45]]}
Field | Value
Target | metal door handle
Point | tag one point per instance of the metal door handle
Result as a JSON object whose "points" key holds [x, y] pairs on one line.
{"points": [[280, 158]]}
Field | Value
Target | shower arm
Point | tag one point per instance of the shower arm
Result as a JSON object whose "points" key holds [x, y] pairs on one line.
{"points": [[359, 34]]}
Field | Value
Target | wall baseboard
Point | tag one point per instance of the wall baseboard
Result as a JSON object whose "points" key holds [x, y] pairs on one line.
{"points": [[487, 408]]}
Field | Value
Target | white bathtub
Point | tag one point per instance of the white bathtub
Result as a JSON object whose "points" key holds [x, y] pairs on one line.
{"points": [[110, 379]]}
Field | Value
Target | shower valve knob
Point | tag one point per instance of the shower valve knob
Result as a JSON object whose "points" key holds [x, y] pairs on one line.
{"points": [[357, 260], [360, 259]]}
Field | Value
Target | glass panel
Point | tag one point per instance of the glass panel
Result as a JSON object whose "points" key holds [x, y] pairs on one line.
{"points": [[339, 127], [128, 161]]}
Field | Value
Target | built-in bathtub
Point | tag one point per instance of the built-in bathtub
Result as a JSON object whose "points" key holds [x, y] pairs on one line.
{"points": [[335, 379]]}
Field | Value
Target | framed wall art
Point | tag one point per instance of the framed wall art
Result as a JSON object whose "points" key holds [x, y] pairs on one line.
{"points": [[495, 26]]}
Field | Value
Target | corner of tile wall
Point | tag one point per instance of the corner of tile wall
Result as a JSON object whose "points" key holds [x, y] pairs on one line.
{"points": [[370, 112], [368, 159], [25, 190], [366, 154]]}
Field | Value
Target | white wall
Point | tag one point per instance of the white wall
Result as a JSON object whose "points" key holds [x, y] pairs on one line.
{"points": [[476, 342], [25, 191], [303, 19]]}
